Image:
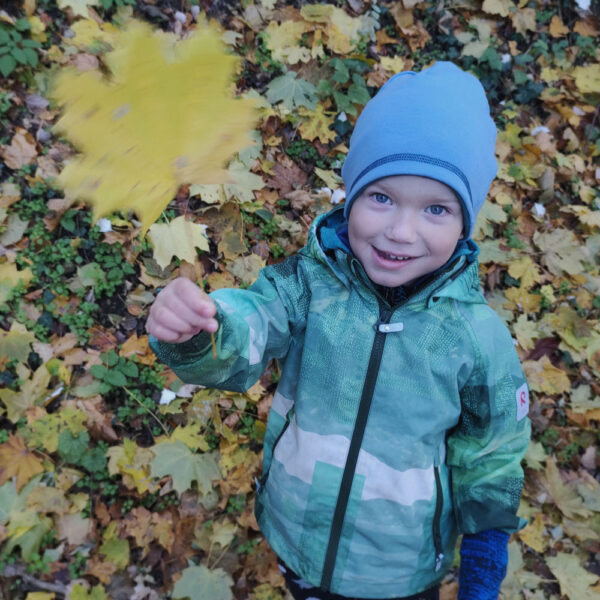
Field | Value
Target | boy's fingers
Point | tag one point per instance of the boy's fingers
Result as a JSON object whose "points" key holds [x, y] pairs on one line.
{"points": [[183, 309], [169, 319]]}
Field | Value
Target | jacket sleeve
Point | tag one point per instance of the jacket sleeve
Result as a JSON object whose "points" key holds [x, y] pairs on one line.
{"points": [[486, 447], [255, 325]]}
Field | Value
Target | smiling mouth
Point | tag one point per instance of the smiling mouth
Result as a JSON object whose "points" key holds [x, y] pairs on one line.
{"points": [[395, 257]]}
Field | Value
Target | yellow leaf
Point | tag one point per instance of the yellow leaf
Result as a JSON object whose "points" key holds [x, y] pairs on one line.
{"points": [[17, 461], [79, 7], [283, 40], [561, 251], [524, 20], [178, 238], [489, 213], [534, 535], [557, 27], [163, 119], [40, 596], [525, 270], [331, 178], [544, 377], [574, 579], [246, 268], [498, 7], [526, 332], [343, 31], [190, 435], [591, 218], [88, 33], [316, 124], [394, 64], [587, 79], [521, 299], [38, 29]]}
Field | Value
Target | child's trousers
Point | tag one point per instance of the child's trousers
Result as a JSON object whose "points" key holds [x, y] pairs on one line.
{"points": [[301, 590]]}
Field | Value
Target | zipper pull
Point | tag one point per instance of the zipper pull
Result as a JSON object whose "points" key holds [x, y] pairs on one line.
{"points": [[438, 561]]}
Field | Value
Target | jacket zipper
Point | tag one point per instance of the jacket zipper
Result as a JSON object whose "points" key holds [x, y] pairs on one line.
{"points": [[360, 424], [437, 537]]}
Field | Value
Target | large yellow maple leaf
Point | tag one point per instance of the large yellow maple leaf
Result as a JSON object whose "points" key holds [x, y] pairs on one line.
{"points": [[164, 117]]}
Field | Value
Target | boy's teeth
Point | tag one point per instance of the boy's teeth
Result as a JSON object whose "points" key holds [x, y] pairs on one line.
{"points": [[394, 257]]}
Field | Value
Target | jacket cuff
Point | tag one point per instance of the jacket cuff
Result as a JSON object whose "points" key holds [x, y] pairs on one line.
{"points": [[483, 562]]}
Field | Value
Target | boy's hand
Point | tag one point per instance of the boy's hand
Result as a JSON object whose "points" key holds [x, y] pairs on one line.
{"points": [[181, 311]]}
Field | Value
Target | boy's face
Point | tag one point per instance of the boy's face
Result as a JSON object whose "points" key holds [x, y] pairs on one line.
{"points": [[403, 227]]}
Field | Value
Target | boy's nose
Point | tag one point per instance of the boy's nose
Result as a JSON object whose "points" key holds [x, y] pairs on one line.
{"points": [[402, 229]]}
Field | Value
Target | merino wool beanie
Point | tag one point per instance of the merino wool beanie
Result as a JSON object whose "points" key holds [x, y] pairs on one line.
{"points": [[436, 124]]}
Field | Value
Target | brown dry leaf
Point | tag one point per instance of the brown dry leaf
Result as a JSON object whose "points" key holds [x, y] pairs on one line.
{"points": [[288, 176], [75, 528], [138, 347], [101, 570], [48, 500], [21, 151], [17, 461]]}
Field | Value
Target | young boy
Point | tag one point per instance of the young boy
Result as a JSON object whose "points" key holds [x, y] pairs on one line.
{"points": [[399, 419]]}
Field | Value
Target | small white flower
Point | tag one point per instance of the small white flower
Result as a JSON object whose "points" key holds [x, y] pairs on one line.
{"points": [[540, 129], [583, 4], [342, 117], [540, 209], [325, 191], [337, 196], [167, 396], [506, 58], [104, 225]]}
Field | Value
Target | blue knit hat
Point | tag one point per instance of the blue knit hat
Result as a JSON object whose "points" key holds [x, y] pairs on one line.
{"points": [[436, 124]]}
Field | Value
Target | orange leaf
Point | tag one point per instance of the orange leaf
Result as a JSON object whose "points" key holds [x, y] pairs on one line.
{"points": [[17, 461]]}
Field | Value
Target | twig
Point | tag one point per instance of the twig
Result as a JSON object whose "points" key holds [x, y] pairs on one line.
{"points": [[18, 571], [147, 410]]}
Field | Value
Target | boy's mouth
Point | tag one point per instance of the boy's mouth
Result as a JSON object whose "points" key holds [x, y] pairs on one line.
{"points": [[391, 256]]}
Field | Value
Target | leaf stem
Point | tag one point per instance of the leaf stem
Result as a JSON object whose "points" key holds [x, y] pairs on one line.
{"points": [[132, 395]]}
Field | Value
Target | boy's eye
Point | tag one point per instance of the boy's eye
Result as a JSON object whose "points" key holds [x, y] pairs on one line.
{"points": [[381, 198], [437, 209]]}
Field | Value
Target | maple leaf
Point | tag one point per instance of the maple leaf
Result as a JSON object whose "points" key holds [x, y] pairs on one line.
{"points": [[292, 91], [15, 343], [178, 238], [184, 467], [317, 124], [79, 7], [566, 498], [10, 277], [561, 251], [199, 583], [283, 41], [544, 377], [17, 461], [574, 580], [163, 119]]}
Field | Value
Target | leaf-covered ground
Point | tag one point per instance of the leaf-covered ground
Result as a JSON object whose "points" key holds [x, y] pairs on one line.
{"points": [[117, 481]]}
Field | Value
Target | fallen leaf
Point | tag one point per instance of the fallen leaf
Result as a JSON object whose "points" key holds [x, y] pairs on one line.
{"points": [[200, 583], [544, 377], [574, 580], [179, 238], [21, 151], [17, 461]]}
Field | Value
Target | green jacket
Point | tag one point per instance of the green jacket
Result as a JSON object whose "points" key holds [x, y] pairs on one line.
{"points": [[393, 428]]}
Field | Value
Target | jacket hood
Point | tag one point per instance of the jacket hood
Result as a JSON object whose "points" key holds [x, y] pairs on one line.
{"points": [[328, 243]]}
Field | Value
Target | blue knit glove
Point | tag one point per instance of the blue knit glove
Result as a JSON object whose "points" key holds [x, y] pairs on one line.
{"points": [[483, 560]]}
